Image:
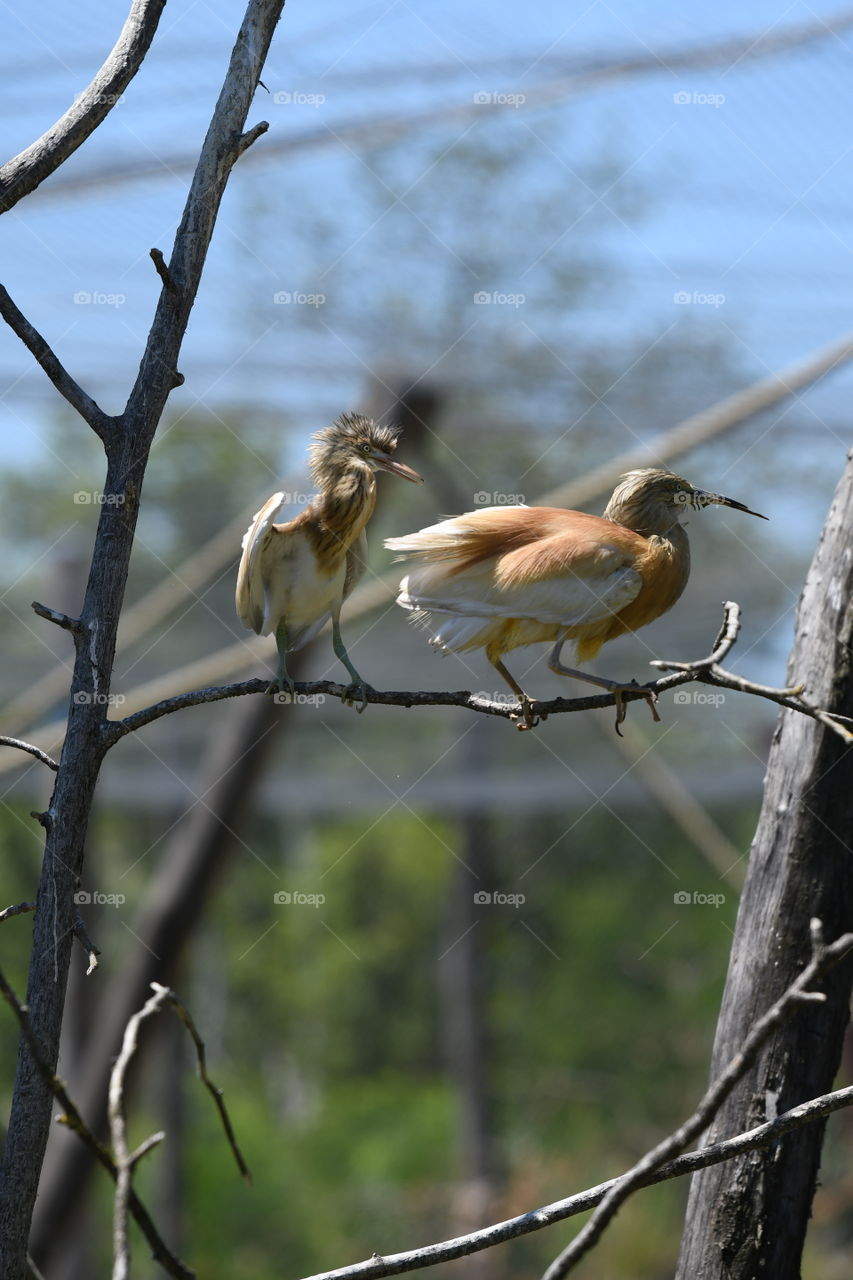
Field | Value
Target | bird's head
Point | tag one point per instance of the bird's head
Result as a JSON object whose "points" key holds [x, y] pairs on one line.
{"points": [[652, 500], [355, 443]]}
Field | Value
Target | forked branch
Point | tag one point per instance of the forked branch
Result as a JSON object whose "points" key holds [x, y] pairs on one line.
{"points": [[706, 670]]}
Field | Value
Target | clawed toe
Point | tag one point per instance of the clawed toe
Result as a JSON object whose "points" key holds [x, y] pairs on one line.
{"points": [[353, 691], [526, 717], [649, 695]]}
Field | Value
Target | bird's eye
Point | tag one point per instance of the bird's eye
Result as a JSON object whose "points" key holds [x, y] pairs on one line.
{"points": [[365, 448]]}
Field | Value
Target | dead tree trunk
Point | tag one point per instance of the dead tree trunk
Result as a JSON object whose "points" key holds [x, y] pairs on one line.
{"points": [[748, 1217], [127, 440]]}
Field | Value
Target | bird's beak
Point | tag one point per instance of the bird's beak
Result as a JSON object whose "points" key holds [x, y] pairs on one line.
{"points": [[704, 499], [398, 469]]}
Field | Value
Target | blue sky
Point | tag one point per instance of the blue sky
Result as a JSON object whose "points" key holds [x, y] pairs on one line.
{"points": [[746, 211]]}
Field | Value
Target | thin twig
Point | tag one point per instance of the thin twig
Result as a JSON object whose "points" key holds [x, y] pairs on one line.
{"points": [[252, 135], [33, 751], [125, 1159], [74, 1121], [87, 944], [201, 1067], [100, 422], [60, 619], [823, 957], [118, 1133], [8, 912], [163, 271]]}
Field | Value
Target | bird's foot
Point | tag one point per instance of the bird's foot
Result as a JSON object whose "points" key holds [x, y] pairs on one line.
{"points": [[358, 689], [619, 689], [526, 718], [282, 689]]}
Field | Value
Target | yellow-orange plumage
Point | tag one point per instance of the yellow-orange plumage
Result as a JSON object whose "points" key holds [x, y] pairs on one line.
{"points": [[503, 577]]}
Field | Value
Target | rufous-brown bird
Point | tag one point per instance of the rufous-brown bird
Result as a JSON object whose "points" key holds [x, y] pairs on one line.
{"points": [[502, 577], [294, 576]]}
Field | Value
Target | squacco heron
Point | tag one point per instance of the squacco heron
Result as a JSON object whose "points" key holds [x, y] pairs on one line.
{"points": [[294, 576], [502, 577]]}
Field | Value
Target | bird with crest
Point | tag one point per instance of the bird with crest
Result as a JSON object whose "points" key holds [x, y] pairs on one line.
{"points": [[294, 575]]}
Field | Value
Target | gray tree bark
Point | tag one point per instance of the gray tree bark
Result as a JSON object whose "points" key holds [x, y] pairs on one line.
{"points": [[127, 440], [748, 1217]]}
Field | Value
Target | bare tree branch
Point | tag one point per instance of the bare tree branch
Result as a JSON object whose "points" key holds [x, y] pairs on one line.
{"points": [[19, 910], [103, 426], [201, 1067], [74, 1121], [823, 957], [127, 449], [706, 670], [30, 749], [560, 1210], [21, 175]]}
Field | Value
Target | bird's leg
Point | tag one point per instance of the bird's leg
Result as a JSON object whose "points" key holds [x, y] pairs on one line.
{"points": [[283, 682], [527, 720], [612, 686], [359, 684]]}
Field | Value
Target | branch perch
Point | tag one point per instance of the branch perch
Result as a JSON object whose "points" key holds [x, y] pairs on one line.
{"points": [[706, 670]]}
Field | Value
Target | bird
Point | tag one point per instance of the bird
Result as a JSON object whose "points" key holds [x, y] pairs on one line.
{"points": [[501, 577], [295, 575]]}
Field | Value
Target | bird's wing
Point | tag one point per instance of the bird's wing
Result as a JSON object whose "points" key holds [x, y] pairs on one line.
{"points": [[555, 566], [250, 587]]}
